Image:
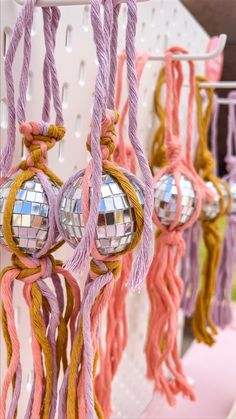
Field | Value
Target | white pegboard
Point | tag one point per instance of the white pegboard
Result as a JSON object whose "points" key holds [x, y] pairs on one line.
{"points": [[160, 24]]}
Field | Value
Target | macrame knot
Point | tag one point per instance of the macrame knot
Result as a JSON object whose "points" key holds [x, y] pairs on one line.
{"points": [[174, 151], [29, 266], [108, 139], [38, 143], [113, 266], [172, 238], [207, 162]]}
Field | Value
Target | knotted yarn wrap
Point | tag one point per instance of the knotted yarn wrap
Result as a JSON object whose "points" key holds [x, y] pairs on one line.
{"points": [[164, 285], [221, 308], [203, 326], [52, 315]]}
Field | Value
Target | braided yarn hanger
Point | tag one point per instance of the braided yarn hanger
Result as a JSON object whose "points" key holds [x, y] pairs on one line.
{"points": [[116, 323], [177, 194], [221, 309], [28, 232], [113, 222], [203, 326]]}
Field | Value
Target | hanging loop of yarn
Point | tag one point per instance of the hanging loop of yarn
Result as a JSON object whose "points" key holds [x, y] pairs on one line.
{"points": [[165, 287], [52, 315], [203, 326], [221, 309]]}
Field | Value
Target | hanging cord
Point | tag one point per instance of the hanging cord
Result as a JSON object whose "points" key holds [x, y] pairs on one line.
{"points": [[77, 393], [116, 326], [164, 286], [221, 310], [158, 160], [33, 271], [203, 327]]}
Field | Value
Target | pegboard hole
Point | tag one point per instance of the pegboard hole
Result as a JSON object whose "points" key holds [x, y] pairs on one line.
{"points": [[153, 17], [166, 40], [78, 126], [82, 73], [124, 17], [29, 92], [61, 149], [3, 113], [64, 95], [158, 39], [29, 383], [23, 150], [85, 19], [144, 101], [34, 27], [68, 38], [6, 40], [17, 316], [143, 29]]}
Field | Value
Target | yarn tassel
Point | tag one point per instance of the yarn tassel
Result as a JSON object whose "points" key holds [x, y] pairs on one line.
{"points": [[221, 309], [202, 322], [164, 285], [190, 268]]}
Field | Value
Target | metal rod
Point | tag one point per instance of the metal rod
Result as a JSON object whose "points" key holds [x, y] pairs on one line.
{"points": [[225, 101], [219, 85], [48, 3], [196, 57]]}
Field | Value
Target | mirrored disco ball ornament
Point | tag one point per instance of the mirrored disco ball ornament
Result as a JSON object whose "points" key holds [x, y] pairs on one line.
{"points": [[165, 199], [225, 194], [116, 222], [29, 219], [211, 207], [233, 196]]}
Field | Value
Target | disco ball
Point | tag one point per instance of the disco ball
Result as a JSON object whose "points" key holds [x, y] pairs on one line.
{"points": [[233, 197], [165, 199], [211, 207], [29, 219], [116, 226], [225, 194]]}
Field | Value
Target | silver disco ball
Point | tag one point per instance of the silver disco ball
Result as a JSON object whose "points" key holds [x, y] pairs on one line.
{"points": [[29, 219], [225, 194], [165, 199], [116, 222], [233, 197], [211, 207]]}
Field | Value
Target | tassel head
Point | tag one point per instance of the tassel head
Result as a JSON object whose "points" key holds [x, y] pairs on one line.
{"points": [[116, 226], [29, 218], [166, 197]]}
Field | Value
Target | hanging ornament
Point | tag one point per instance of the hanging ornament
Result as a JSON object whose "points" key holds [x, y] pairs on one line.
{"points": [[221, 309], [116, 320], [203, 326], [116, 226], [28, 193], [177, 194], [125, 192]]}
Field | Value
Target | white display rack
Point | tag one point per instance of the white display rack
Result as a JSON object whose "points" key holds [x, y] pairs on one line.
{"points": [[160, 24]]}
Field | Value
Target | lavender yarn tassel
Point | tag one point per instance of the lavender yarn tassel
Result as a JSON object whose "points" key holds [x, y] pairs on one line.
{"points": [[190, 268], [144, 254], [221, 309]]}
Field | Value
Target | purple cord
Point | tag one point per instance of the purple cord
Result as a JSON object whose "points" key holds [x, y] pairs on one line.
{"points": [[143, 257], [221, 308]]}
